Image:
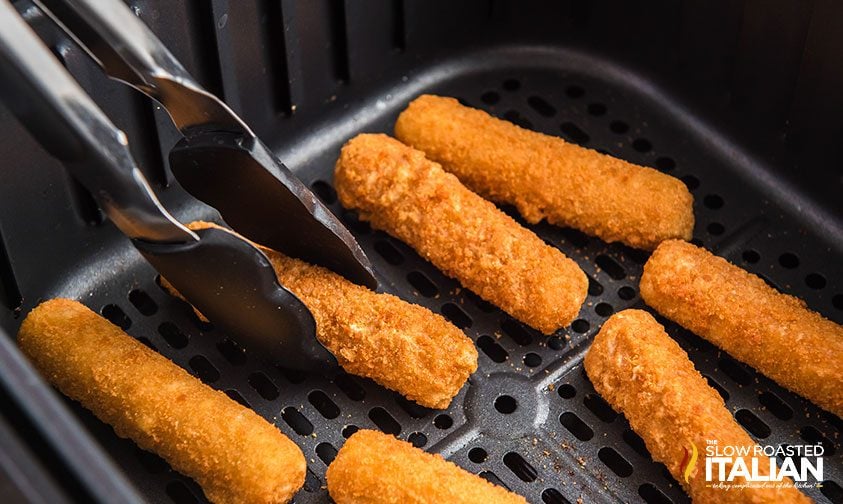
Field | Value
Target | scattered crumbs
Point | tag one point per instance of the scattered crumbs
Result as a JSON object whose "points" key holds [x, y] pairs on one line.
{"points": [[551, 387]]}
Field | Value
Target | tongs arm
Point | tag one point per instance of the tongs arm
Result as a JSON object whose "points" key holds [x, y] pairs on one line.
{"points": [[128, 51], [65, 120]]}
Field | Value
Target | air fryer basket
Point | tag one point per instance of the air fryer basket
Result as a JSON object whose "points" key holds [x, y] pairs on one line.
{"points": [[528, 419]]}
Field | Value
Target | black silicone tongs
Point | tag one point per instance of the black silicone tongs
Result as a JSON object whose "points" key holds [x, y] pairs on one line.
{"points": [[219, 161]]}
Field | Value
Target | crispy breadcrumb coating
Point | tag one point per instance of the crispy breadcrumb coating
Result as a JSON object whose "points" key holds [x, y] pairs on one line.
{"points": [[737, 311], [641, 372], [546, 177], [402, 346], [376, 468], [401, 192], [235, 455]]}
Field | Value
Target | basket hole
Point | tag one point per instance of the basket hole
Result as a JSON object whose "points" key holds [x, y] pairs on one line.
{"points": [[615, 461], [116, 316], [580, 326], [173, 335], [298, 422], [152, 463], [477, 455], [597, 109], [349, 387], [837, 301], [642, 145], [511, 85], [516, 331], [573, 133], [832, 490], [665, 164], [144, 304], [235, 396], [555, 343], [576, 426], [506, 404], [713, 201], [263, 386], [203, 369], [490, 97], [716, 386], [481, 304], [411, 408], [541, 106], [599, 407], [422, 284], [734, 370], [752, 423], [715, 229], [325, 192], [815, 281], [775, 405], [179, 493], [520, 467], [789, 260], [566, 391], [574, 91], [604, 309], [389, 253], [812, 435], [532, 360], [626, 293], [147, 343], [443, 421], [595, 288], [635, 442], [326, 452], [417, 439], [575, 237], [456, 315], [491, 348], [618, 127], [323, 404], [610, 266], [553, 496], [311, 482], [232, 352], [691, 182], [751, 256], [514, 117], [493, 479], [349, 431], [653, 495], [385, 422], [353, 222]]}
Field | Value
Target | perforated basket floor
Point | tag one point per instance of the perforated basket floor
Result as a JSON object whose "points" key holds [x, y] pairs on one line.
{"points": [[528, 419]]}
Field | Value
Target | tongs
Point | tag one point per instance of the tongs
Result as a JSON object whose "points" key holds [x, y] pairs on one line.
{"points": [[219, 161]]}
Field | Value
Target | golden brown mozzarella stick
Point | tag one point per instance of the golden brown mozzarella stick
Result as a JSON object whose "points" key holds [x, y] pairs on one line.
{"points": [[737, 311], [376, 468], [402, 346], [401, 192], [235, 455], [641, 372], [546, 177]]}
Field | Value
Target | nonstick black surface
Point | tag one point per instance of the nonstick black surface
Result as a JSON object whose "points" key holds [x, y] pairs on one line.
{"points": [[528, 419]]}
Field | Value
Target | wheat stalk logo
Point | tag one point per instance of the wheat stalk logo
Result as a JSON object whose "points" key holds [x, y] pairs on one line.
{"points": [[690, 460]]}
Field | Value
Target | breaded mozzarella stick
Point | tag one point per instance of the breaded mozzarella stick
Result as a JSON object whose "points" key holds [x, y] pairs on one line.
{"points": [[737, 311], [546, 177], [401, 192], [641, 372], [235, 455], [376, 468], [402, 346]]}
